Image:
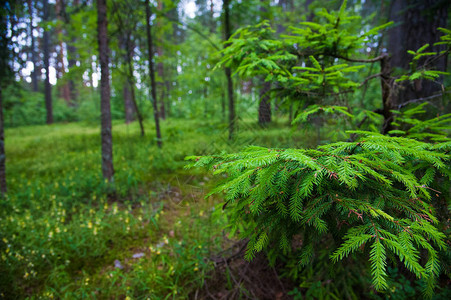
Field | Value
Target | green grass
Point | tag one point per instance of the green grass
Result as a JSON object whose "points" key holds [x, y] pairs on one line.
{"points": [[63, 226]]}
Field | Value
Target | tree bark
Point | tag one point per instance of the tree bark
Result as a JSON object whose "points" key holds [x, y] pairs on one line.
{"points": [[2, 149], [264, 109], [34, 74], [46, 50], [152, 74], [228, 72], [419, 20], [387, 94], [105, 109]]}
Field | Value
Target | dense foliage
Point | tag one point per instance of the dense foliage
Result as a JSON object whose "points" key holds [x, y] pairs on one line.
{"points": [[365, 193], [372, 195], [330, 144]]}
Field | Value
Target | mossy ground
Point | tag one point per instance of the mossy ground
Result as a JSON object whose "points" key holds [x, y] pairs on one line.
{"points": [[66, 233]]}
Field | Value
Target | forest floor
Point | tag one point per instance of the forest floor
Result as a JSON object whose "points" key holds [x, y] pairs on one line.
{"points": [[66, 233], [152, 234]]}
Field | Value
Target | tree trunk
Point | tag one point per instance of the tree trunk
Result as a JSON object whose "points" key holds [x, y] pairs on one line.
{"points": [[264, 109], [71, 50], [2, 149], [72, 62], [131, 83], [34, 74], [129, 108], [167, 84], [46, 50], [223, 106], [105, 110], [419, 20], [152, 74], [64, 89], [128, 103], [160, 66], [228, 72], [387, 94], [212, 18]]}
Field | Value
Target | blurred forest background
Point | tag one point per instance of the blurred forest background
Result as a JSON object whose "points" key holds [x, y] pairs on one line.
{"points": [[101, 101]]}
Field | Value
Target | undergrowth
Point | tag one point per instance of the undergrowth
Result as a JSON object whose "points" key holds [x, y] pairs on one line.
{"points": [[67, 234]]}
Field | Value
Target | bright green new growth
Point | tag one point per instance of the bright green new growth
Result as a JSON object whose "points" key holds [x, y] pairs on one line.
{"points": [[367, 193], [371, 196], [435, 129]]}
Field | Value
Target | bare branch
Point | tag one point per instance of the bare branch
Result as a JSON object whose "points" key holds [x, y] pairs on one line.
{"points": [[369, 78], [379, 58], [422, 99]]}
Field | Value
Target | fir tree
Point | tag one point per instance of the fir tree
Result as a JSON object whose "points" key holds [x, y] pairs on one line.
{"points": [[372, 195], [365, 193]]}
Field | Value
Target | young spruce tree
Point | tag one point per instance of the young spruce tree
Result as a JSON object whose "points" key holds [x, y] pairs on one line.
{"points": [[372, 195]]}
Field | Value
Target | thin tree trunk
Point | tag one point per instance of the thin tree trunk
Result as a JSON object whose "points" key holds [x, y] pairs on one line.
{"points": [[126, 44], [71, 50], [212, 18], [387, 94], [2, 149], [264, 109], [167, 84], [152, 74], [223, 106], [128, 104], [48, 87], [34, 74], [228, 72], [132, 84], [72, 62], [105, 109], [160, 67], [64, 90]]}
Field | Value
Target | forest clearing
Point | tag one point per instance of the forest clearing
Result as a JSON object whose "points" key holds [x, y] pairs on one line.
{"points": [[209, 149]]}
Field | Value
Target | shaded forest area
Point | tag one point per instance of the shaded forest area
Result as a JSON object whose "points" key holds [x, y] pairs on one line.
{"points": [[225, 149]]}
